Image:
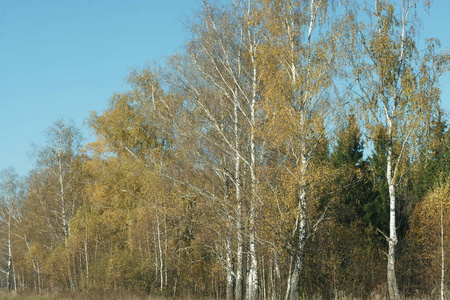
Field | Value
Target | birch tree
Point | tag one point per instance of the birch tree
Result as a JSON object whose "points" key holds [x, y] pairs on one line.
{"points": [[137, 132], [57, 160], [427, 238], [398, 91], [302, 65], [11, 198], [220, 77], [59, 191]]}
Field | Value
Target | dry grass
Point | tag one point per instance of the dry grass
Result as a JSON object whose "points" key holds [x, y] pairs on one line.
{"points": [[123, 296], [87, 296]]}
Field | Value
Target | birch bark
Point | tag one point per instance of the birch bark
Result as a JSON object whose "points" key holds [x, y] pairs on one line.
{"points": [[392, 281], [253, 280], [237, 182], [302, 217], [10, 256]]}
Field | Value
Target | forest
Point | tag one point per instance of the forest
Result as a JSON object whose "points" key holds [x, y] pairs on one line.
{"points": [[293, 149]]}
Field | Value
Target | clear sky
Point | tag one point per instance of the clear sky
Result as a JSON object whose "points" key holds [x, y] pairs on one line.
{"points": [[65, 58]]}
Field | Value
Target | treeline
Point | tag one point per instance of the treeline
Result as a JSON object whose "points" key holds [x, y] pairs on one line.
{"points": [[293, 148]]}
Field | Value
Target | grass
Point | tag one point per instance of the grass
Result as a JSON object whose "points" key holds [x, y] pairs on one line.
{"points": [[86, 296], [124, 296]]}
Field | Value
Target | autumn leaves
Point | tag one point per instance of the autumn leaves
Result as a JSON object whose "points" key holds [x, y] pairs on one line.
{"points": [[238, 169]]}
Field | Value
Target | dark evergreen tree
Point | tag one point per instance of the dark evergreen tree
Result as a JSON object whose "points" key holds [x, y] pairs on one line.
{"points": [[376, 209], [346, 239], [433, 159], [349, 147], [356, 188]]}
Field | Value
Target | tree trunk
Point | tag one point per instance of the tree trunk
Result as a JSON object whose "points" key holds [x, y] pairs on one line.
{"points": [[238, 293], [230, 281], [239, 228], [294, 280], [166, 247], [10, 258], [252, 279], [298, 256], [228, 247], [65, 224], [277, 280], [86, 257], [161, 261], [391, 278], [288, 284], [263, 280]]}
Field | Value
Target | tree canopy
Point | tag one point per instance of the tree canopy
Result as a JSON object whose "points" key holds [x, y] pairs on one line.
{"points": [[282, 152]]}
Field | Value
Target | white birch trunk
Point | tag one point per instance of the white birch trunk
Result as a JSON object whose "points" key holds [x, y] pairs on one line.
{"points": [[228, 246], [289, 279], [391, 278], [86, 256], [238, 293], [15, 279], [229, 266], [155, 239], [253, 280], [10, 257], [277, 280], [237, 181], [263, 280], [294, 280], [64, 222], [166, 247], [161, 261]]}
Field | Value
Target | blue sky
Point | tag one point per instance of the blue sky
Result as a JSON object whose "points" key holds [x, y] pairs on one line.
{"points": [[65, 58]]}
